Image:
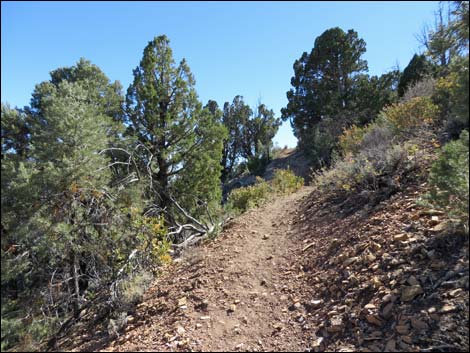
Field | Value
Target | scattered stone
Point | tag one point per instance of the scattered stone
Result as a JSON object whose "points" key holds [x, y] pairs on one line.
{"points": [[408, 293], [391, 346], [336, 324], [406, 339], [434, 220], [387, 310], [374, 319], [400, 237], [317, 343], [456, 292], [265, 236], [413, 281], [182, 302], [349, 261], [370, 306], [440, 227], [402, 329], [240, 345], [205, 317], [418, 324], [447, 308], [180, 330]]}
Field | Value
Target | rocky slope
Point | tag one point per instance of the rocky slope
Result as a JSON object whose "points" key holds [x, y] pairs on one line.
{"points": [[302, 274]]}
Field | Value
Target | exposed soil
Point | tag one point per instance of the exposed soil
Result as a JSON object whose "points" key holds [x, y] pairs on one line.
{"points": [[303, 274], [241, 291]]}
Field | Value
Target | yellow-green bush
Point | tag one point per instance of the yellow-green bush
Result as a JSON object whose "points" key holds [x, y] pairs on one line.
{"points": [[350, 140], [286, 182], [415, 113], [242, 199], [449, 180], [283, 182], [133, 288]]}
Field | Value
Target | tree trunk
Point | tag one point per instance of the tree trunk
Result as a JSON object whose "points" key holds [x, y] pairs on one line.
{"points": [[76, 287]]}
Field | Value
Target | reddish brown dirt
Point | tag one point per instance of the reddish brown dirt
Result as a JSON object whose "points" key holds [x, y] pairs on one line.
{"points": [[239, 291], [305, 273]]}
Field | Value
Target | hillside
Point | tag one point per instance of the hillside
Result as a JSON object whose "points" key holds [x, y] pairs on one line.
{"points": [[297, 275]]}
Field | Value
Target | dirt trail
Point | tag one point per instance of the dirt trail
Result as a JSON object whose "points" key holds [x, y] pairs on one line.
{"points": [[238, 292]]}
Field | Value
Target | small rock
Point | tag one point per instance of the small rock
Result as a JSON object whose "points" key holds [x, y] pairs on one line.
{"points": [[391, 346], [387, 310], [402, 329], [336, 324], [180, 330], [265, 236], [400, 237], [349, 261], [413, 281], [408, 293], [205, 317], [406, 339], [440, 227], [369, 258], [182, 302], [316, 303], [418, 324], [198, 325], [456, 292], [434, 220], [389, 298], [447, 308], [240, 345], [232, 308], [317, 343], [374, 319]]}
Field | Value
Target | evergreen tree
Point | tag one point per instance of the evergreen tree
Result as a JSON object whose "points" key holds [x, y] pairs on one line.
{"points": [[418, 68], [235, 117], [324, 80], [167, 120]]}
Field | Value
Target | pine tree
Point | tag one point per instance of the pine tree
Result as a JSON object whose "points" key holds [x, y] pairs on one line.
{"points": [[172, 129]]}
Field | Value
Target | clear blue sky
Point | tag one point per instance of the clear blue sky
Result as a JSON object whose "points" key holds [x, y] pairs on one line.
{"points": [[245, 48]]}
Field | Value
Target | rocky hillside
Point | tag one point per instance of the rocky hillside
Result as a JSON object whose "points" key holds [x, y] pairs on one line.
{"points": [[299, 274], [393, 277]]}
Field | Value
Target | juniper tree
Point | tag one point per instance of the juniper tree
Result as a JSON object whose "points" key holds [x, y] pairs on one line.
{"points": [[175, 134]]}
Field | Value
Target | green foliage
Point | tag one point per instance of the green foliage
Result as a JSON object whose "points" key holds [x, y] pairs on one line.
{"points": [[350, 140], [319, 142], [418, 68], [324, 81], [286, 182], [415, 113], [132, 289], [283, 182], [257, 165], [244, 198], [367, 171], [180, 142], [449, 180], [452, 97], [249, 137]]}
